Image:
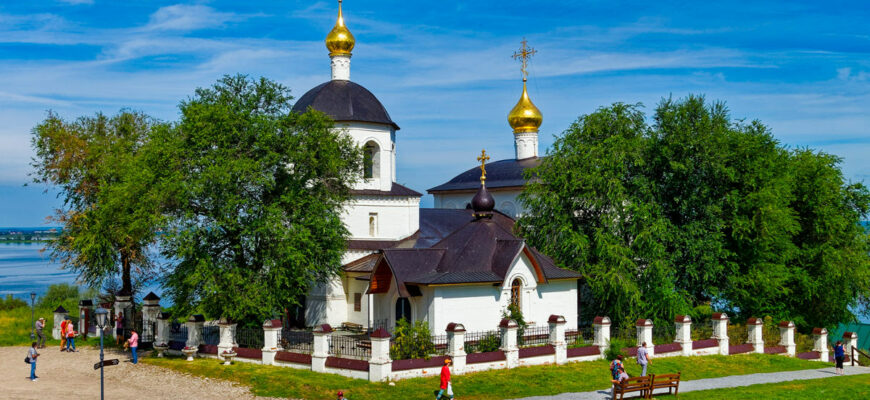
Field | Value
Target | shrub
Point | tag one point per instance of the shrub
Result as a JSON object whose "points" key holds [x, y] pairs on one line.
{"points": [[614, 349], [11, 303], [491, 342], [513, 312], [59, 294], [412, 341]]}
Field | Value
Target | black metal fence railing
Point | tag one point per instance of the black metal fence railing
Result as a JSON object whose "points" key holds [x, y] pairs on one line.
{"points": [[350, 346], [211, 334], [533, 336], [251, 338], [482, 341], [380, 323], [296, 341], [663, 334], [440, 345], [177, 333], [581, 337], [625, 334]]}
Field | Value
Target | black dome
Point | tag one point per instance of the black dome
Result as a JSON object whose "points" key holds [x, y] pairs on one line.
{"points": [[482, 201], [345, 101]]}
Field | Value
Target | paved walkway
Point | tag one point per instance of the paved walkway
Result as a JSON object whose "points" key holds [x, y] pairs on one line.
{"points": [[719, 383]]}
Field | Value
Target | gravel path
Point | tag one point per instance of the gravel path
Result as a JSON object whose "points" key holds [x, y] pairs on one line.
{"points": [[62, 375], [719, 383]]}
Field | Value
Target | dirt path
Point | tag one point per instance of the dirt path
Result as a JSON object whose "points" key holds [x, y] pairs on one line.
{"points": [[72, 375]]}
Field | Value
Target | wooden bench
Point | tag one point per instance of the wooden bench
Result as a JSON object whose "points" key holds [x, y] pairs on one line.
{"points": [[640, 384], [350, 326], [669, 381]]}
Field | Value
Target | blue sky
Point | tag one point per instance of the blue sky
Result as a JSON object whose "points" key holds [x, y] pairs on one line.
{"points": [[442, 69]]}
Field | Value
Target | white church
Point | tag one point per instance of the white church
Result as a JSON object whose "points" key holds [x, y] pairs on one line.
{"points": [[458, 262]]}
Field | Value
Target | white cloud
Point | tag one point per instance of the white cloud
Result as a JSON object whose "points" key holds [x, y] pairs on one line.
{"points": [[845, 74], [185, 17], [77, 2]]}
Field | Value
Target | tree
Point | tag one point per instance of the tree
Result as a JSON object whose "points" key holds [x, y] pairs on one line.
{"points": [[110, 210], [257, 195]]}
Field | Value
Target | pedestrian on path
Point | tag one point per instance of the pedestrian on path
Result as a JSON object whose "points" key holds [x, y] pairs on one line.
{"points": [[615, 365], [341, 395], [63, 325], [839, 357], [40, 325], [133, 342], [446, 388], [643, 358], [32, 354], [70, 338]]}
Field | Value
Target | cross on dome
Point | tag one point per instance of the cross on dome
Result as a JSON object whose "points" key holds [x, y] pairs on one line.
{"points": [[524, 54], [483, 158]]}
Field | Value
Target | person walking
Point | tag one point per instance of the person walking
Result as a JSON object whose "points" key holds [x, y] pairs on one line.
{"points": [[40, 325], [839, 357], [133, 342], [70, 338], [63, 325], [446, 388], [32, 354], [643, 358], [341, 395]]}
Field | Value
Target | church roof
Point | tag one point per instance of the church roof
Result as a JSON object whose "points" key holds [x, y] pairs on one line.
{"points": [[345, 101], [499, 174], [396, 190], [453, 247]]}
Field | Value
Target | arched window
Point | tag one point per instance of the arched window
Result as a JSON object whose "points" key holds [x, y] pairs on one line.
{"points": [[403, 309], [371, 160], [373, 224], [508, 208], [516, 292]]}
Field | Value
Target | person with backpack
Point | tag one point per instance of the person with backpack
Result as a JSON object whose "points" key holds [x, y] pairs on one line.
{"points": [[839, 357], [70, 338], [32, 354], [615, 365]]}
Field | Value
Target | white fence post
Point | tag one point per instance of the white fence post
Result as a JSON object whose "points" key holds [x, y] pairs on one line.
{"points": [[601, 325], [756, 338], [820, 343], [786, 337], [850, 339], [162, 334], [456, 346], [227, 336], [123, 305], [557, 338], [720, 332], [683, 326], [86, 307], [644, 335], [508, 328], [60, 314], [380, 364], [194, 331], [271, 329], [150, 311], [321, 348]]}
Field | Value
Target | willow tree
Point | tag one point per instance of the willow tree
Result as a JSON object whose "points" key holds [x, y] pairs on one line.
{"points": [[258, 191], [110, 206]]}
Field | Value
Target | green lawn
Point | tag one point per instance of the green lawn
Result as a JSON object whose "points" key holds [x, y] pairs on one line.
{"points": [[490, 385], [15, 326], [837, 387]]}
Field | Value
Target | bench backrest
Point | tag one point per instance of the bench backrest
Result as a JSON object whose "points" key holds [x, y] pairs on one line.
{"points": [[666, 378], [640, 382]]}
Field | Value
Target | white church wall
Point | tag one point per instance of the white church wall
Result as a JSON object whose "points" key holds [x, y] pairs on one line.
{"points": [[556, 297], [506, 201], [477, 307], [326, 304], [383, 136], [356, 288], [395, 217]]}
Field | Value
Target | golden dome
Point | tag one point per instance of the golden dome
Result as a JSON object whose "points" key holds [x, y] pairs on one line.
{"points": [[340, 41], [525, 117]]}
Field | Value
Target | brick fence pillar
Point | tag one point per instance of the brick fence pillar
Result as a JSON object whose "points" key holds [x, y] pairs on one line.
{"points": [[380, 364], [194, 330], [508, 329], [271, 330], [456, 346], [60, 314], [786, 337], [86, 308], [150, 310], [557, 338], [720, 331], [683, 326], [645, 335], [601, 339], [850, 339], [123, 305], [754, 327], [162, 334], [321, 348], [227, 336], [820, 343]]}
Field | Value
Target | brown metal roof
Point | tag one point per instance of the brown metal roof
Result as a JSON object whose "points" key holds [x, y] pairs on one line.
{"points": [[396, 190]]}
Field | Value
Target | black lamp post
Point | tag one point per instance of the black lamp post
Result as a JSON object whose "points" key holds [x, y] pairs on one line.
{"points": [[32, 300], [101, 315]]}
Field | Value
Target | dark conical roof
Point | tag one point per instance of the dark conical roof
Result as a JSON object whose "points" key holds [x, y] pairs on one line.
{"points": [[151, 296], [345, 101], [60, 309], [482, 202]]}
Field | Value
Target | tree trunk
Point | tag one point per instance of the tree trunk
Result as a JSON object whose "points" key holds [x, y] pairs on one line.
{"points": [[126, 281]]}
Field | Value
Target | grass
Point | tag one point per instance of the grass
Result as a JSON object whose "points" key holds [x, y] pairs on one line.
{"points": [[489, 385], [834, 388], [15, 325]]}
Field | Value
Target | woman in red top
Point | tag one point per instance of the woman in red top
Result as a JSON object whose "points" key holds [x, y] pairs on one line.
{"points": [[445, 381]]}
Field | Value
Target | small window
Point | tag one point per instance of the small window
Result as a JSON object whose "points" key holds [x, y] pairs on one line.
{"points": [[371, 161], [357, 302], [516, 292], [373, 224]]}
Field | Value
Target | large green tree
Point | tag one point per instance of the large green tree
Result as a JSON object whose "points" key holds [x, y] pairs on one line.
{"points": [[111, 208], [695, 208], [257, 193]]}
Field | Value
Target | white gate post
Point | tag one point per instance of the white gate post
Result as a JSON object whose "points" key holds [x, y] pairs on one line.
{"points": [[820, 343], [162, 334], [601, 326], [60, 314], [150, 310], [194, 331], [850, 339], [557, 338], [123, 305], [683, 326], [456, 346], [271, 329], [756, 338], [321, 348], [380, 364], [228, 336], [720, 332], [786, 337], [644, 335], [509, 328], [86, 307]]}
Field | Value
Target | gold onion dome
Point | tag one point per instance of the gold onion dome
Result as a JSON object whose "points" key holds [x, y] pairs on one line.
{"points": [[525, 117], [340, 41]]}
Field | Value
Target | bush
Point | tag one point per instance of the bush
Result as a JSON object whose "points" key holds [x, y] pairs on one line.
{"points": [[491, 342], [614, 349], [60, 294], [513, 312], [412, 341], [11, 303]]}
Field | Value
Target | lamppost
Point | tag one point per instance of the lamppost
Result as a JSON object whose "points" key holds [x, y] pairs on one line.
{"points": [[101, 315], [32, 300]]}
